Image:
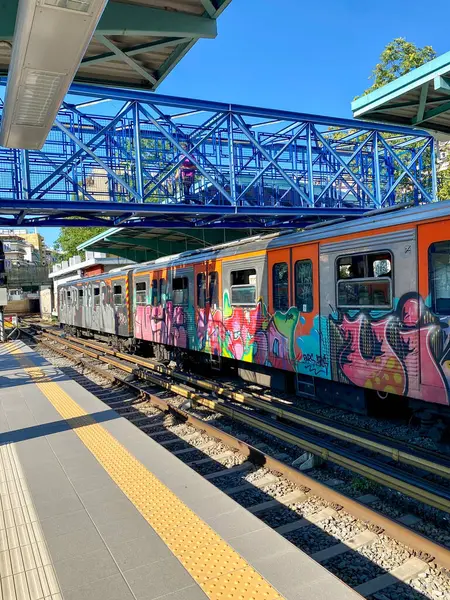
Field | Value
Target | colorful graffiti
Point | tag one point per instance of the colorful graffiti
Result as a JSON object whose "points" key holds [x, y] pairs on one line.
{"points": [[401, 352], [162, 324], [250, 334]]}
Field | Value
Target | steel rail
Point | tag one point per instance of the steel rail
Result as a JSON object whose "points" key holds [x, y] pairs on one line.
{"points": [[392, 527], [407, 484], [292, 415]]}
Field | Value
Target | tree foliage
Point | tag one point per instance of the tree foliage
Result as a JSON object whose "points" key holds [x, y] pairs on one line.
{"points": [[71, 237], [398, 58]]}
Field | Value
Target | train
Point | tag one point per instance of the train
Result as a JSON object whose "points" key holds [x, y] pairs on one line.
{"points": [[349, 312]]}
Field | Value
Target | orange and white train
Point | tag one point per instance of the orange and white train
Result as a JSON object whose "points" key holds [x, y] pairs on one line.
{"points": [[348, 311]]}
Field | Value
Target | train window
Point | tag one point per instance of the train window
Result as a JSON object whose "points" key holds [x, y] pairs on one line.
{"points": [[304, 285], [154, 300], [201, 290], [361, 266], [180, 287], [365, 280], [117, 290], [80, 297], [439, 277], [162, 290], [213, 292], [141, 292], [96, 296], [280, 286], [69, 299], [243, 287]]}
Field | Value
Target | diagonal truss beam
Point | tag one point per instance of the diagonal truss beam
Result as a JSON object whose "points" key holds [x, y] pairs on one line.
{"points": [[406, 170], [93, 142], [185, 152], [240, 121], [127, 59], [104, 166], [134, 50]]}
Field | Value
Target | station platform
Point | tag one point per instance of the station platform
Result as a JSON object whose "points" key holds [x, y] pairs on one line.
{"points": [[94, 509]]}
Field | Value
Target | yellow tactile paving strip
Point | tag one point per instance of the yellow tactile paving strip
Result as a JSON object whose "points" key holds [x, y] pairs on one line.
{"points": [[220, 571]]}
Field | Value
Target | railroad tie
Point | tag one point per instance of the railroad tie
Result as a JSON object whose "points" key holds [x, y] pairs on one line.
{"points": [[317, 517], [409, 569], [358, 541], [295, 496]]}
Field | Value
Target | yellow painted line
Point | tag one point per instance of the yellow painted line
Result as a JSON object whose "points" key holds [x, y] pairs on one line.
{"points": [[220, 571]]}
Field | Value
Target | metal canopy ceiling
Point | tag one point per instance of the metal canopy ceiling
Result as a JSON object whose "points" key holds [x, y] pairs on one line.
{"points": [[132, 43], [137, 42], [148, 244], [420, 98]]}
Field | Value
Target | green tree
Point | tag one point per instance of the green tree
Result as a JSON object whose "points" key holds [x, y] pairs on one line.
{"points": [[398, 58], [71, 237]]}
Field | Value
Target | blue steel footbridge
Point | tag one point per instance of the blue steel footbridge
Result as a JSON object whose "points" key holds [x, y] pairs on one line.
{"points": [[112, 159]]}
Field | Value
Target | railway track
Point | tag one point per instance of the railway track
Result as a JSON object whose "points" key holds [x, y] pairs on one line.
{"points": [[360, 453], [257, 475]]}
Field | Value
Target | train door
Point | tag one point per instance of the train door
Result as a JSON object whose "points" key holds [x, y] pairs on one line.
{"points": [[283, 317], [200, 304], [305, 299], [214, 313], [434, 290]]}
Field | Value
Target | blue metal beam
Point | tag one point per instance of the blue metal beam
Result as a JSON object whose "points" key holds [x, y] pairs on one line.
{"points": [[249, 111], [254, 167]]}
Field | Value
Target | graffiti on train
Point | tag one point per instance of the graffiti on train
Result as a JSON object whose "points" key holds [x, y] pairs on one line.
{"points": [[386, 352], [165, 325], [251, 334]]}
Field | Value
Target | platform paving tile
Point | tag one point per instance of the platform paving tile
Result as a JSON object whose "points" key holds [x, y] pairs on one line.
{"points": [[75, 543], [139, 551], [122, 530], [60, 506], [314, 581], [158, 579], [110, 588], [235, 523], [88, 483], [86, 568], [101, 497], [62, 524]]}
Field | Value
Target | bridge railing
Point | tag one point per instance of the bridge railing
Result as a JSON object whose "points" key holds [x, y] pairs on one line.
{"points": [[128, 150]]}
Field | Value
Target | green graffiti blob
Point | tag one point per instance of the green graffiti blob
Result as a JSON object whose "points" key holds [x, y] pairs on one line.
{"points": [[286, 324]]}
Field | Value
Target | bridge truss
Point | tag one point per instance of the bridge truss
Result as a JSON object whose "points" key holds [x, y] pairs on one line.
{"points": [[112, 158]]}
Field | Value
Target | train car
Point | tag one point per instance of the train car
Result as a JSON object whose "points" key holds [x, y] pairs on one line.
{"points": [[349, 311], [98, 304]]}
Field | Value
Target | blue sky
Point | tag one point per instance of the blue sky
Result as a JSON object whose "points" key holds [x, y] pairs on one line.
{"points": [[298, 55]]}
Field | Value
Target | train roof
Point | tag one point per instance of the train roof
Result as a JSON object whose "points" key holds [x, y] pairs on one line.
{"points": [[399, 215]]}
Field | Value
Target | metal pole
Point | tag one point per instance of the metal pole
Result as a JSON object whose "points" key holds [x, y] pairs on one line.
{"points": [[2, 325], [376, 168], [137, 152], [433, 171], [231, 153]]}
